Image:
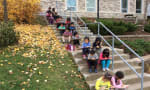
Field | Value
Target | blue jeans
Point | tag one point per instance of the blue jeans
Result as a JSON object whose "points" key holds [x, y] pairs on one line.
{"points": [[105, 63]]}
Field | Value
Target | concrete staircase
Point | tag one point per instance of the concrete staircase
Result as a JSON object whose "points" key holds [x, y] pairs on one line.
{"points": [[130, 79]]}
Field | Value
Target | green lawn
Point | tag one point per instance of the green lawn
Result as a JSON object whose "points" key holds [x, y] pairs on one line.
{"points": [[28, 67]]}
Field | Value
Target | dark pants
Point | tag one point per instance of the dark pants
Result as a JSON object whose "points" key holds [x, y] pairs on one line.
{"points": [[92, 63], [62, 32], [76, 42], [85, 51]]}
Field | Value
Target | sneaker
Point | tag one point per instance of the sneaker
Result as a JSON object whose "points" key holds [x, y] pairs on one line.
{"points": [[90, 70], [95, 70], [104, 69], [107, 69], [84, 57]]}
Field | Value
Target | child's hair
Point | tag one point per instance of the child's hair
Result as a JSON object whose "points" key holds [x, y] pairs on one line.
{"points": [[72, 23], [49, 8], [106, 53], [75, 33], [86, 38], [53, 9], [68, 19], [92, 52], [119, 74], [98, 39], [107, 76]]}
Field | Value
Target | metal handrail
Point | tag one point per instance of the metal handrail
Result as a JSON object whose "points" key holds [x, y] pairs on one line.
{"points": [[141, 76]]}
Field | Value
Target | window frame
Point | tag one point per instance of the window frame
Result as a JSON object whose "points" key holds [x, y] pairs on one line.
{"points": [[124, 8], [76, 7], [140, 8], [91, 7]]}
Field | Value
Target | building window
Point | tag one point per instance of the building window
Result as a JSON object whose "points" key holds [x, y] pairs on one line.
{"points": [[90, 5], [138, 6], [71, 5], [124, 6]]}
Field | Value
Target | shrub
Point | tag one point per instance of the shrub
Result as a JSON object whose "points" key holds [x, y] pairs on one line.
{"points": [[115, 26], [7, 34], [131, 27], [21, 11], [119, 29], [40, 20], [147, 28]]}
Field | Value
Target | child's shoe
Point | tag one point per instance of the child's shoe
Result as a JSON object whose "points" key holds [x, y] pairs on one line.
{"points": [[107, 69], [95, 70], [90, 70], [84, 57], [104, 69]]}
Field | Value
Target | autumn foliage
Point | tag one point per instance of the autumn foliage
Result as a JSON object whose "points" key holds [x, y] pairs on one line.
{"points": [[21, 10]]}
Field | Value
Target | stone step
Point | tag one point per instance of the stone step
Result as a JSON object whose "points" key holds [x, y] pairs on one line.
{"points": [[116, 57], [83, 67], [83, 28], [137, 86], [84, 31], [130, 80], [93, 76], [120, 51]]}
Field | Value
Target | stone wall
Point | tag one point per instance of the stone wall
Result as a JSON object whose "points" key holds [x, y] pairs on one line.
{"points": [[108, 8]]}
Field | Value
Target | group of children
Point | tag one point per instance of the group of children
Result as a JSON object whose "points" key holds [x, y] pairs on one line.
{"points": [[94, 54], [52, 15], [109, 82], [69, 34]]}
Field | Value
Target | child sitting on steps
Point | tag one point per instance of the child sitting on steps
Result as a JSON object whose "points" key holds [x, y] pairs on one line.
{"points": [[67, 36], [104, 59], [92, 61], [116, 81], [76, 39], [103, 83], [86, 47], [61, 28], [97, 45]]}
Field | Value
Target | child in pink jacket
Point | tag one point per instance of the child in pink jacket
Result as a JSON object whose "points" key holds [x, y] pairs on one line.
{"points": [[117, 82], [104, 59]]}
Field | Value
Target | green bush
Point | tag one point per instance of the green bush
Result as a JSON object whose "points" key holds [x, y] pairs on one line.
{"points": [[131, 27], [117, 27], [147, 28], [140, 46], [7, 34]]}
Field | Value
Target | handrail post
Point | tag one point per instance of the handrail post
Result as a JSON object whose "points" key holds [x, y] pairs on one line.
{"points": [[85, 28], [113, 40], [98, 28], [142, 75]]}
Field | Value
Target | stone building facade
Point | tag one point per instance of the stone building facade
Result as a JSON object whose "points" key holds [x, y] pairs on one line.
{"points": [[107, 8]]}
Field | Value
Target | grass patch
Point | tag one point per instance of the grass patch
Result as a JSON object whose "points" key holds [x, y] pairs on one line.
{"points": [[37, 64]]}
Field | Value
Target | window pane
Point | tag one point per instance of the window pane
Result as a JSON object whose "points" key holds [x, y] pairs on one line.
{"points": [[138, 6], [71, 5], [124, 5], [90, 5]]}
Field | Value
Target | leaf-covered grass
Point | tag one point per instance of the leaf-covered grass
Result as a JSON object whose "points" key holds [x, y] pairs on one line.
{"points": [[29, 66]]}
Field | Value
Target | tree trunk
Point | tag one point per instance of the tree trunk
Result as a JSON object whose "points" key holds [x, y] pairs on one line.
{"points": [[5, 11]]}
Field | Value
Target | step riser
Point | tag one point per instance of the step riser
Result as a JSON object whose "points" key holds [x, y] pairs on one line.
{"points": [[116, 66], [135, 80], [116, 58], [96, 76]]}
